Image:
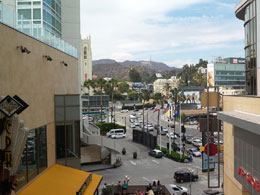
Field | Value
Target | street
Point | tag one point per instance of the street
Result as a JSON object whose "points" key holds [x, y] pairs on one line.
{"points": [[145, 169]]}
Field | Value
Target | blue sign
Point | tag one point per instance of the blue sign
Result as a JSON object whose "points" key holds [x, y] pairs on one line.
{"points": [[205, 162]]}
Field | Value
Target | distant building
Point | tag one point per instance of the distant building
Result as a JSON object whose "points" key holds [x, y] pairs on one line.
{"points": [[138, 86], [86, 62], [248, 11], [159, 84], [231, 91], [202, 70], [228, 72]]}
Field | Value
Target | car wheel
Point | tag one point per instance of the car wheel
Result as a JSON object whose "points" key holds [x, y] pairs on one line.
{"points": [[182, 180], [184, 193], [195, 179]]}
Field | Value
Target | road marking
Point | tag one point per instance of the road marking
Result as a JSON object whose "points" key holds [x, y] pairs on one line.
{"points": [[133, 163], [145, 179], [195, 166], [156, 162]]}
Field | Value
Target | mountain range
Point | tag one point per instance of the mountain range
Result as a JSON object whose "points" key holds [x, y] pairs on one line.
{"points": [[120, 70]]}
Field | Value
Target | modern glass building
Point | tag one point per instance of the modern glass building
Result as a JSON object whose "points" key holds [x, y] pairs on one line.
{"points": [[247, 10], [40, 14], [229, 72]]}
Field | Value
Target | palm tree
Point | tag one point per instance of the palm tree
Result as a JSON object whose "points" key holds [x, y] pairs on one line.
{"points": [[101, 83], [144, 96], [88, 84], [113, 83], [167, 87], [175, 98]]}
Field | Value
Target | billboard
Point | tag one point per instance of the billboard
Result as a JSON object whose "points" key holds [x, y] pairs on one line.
{"points": [[191, 97], [210, 75]]}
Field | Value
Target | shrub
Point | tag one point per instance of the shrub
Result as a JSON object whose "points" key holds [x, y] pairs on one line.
{"points": [[107, 191], [106, 127], [174, 155]]}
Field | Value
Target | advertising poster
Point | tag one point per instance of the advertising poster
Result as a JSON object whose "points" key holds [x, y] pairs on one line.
{"points": [[192, 97], [205, 162], [210, 75]]}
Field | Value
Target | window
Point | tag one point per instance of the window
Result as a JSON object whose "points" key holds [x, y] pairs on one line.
{"points": [[85, 52], [34, 157], [26, 13], [36, 13]]}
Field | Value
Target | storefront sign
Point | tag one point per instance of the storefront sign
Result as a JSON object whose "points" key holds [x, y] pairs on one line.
{"points": [[249, 178]]}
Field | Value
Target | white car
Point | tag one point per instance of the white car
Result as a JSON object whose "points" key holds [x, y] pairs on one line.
{"points": [[195, 141], [176, 190], [149, 127], [124, 111], [118, 135], [132, 125], [194, 152], [171, 135]]}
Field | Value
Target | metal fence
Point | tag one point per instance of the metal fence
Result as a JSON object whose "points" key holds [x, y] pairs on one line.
{"points": [[144, 138]]}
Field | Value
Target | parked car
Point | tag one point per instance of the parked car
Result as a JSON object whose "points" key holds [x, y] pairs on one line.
{"points": [[220, 142], [198, 143], [164, 131], [156, 153], [185, 175], [151, 108], [194, 152], [145, 108], [118, 135], [124, 111], [175, 189]]}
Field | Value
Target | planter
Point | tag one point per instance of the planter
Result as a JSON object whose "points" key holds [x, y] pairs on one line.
{"points": [[134, 155]]}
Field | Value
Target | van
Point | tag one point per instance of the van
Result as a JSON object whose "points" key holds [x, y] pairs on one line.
{"points": [[114, 131]]}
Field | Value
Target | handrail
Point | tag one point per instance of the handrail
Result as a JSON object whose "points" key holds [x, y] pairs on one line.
{"points": [[84, 185]]}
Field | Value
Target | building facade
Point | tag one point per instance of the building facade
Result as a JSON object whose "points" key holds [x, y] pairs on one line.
{"points": [[228, 72], [159, 84], [241, 136], [86, 62], [248, 11]]}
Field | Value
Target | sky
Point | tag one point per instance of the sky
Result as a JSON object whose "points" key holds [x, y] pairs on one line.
{"points": [[175, 32]]}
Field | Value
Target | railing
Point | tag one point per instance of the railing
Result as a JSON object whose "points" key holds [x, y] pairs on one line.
{"points": [[12, 19]]}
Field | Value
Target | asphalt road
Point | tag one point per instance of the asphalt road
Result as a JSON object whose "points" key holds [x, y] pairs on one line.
{"points": [[145, 169]]}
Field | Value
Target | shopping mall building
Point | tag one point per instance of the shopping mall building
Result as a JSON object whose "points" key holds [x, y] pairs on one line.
{"points": [[241, 114], [43, 71]]}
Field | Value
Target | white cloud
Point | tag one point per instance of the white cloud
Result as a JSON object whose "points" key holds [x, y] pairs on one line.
{"points": [[178, 63], [135, 29]]}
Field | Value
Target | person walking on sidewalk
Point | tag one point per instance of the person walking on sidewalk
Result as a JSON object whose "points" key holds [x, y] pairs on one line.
{"points": [[119, 188]]}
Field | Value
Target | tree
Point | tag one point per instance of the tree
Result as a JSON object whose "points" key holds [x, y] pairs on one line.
{"points": [[88, 84], [113, 83], [132, 95], [101, 83], [167, 87], [175, 97], [202, 63], [134, 76], [123, 87], [144, 96]]}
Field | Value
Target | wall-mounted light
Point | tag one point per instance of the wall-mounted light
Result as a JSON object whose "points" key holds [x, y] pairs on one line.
{"points": [[64, 63], [23, 49], [47, 57]]}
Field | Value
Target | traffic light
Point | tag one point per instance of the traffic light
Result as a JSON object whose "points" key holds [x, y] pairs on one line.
{"points": [[183, 129]]}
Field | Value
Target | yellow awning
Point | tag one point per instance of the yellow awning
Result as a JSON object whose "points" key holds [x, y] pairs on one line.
{"points": [[62, 180]]}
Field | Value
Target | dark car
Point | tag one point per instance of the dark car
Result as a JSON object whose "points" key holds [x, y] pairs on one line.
{"points": [[185, 175]]}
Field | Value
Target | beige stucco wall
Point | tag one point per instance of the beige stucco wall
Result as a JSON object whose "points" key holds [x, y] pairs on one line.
{"points": [[35, 80], [231, 103]]}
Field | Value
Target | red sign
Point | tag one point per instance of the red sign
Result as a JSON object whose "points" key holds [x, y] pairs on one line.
{"points": [[249, 178], [213, 149]]}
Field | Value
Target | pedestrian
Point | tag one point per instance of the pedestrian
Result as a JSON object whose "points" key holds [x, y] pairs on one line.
{"points": [[124, 187], [159, 188], [149, 187], [119, 188], [191, 158], [154, 187], [105, 186]]}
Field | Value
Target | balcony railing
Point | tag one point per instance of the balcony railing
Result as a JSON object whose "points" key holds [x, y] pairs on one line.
{"points": [[12, 19]]}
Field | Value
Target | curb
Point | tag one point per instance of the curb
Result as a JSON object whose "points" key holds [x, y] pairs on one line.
{"points": [[101, 169]]}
